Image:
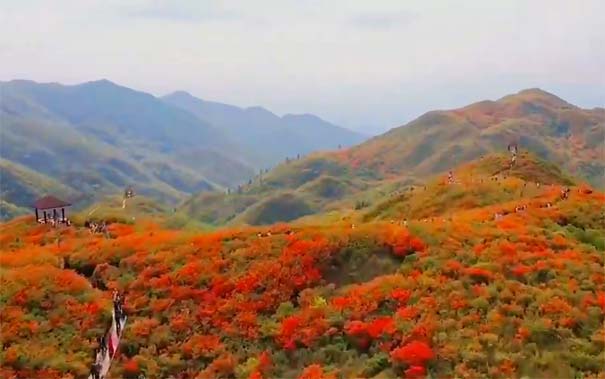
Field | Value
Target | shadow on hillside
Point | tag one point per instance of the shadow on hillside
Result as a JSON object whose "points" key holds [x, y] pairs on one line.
{"points": [[360, 264]]}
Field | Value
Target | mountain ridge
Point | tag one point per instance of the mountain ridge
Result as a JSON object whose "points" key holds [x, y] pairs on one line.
{"points": [[98, 136], [433, 143], [253, 126]]}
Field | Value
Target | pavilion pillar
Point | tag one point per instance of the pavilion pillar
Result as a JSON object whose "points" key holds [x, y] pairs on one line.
{"points": [[45, 217], [37, 217], [63, 214]]}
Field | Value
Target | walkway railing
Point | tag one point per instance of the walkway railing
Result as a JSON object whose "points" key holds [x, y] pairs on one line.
{"points": [[109, 342]]}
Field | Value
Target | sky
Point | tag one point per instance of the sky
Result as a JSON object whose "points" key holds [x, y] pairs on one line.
{"points": [[367, 65]]}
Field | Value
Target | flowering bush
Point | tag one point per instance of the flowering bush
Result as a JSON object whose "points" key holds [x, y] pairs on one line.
{"points": [[523, 295]]}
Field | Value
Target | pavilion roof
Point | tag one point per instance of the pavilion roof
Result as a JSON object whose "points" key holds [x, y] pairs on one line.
{"points": [[49, 202]]}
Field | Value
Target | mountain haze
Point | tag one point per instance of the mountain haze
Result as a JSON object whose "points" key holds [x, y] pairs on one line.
{"points": [[98, 137], [271, 136], [95, 138]]}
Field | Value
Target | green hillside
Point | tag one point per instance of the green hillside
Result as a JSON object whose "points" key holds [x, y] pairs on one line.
{"points": [[98, 137], [538, 121], [114, 209], [361, 176], [20, 187], [481, 183]]}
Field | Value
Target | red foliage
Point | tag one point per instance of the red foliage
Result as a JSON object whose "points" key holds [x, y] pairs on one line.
{"points": [[402, 242], [356, 328], [130, 366], [408, 313], [401, 295], [415, 372], [478, 273], [380, 326], [521, 270], [315, 371], [415, 353]]}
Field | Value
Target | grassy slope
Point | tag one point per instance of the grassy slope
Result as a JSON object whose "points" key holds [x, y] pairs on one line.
{"points": [[99, 137], [523, 296], [475, 187], [20, 187], [437, 141], [538, 121]]}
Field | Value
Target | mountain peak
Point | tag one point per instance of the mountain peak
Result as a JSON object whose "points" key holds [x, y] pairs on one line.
{"points": [[537, 95], [302, 116], [179, 94], [103, 85], [260, 111], [101, 82]]}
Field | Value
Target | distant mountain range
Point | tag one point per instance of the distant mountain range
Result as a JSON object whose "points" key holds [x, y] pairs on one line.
{"points": [[539, 122], [271, 137], [96, 138]]}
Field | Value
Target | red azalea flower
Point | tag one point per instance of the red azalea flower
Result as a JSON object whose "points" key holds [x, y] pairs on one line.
{"points": [[414, 353], [415, 372]]}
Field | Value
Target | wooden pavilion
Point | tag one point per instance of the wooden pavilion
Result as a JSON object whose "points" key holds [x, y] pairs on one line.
{"points": [[50, 209]]}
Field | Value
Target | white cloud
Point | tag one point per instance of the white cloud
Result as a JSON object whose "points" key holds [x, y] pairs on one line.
{"points": [[376, 63]]}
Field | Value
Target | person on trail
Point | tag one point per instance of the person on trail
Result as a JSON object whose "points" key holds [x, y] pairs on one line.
{"points": [[95, 371], [513, 150], [103, 344], [117, 319], [122, 312]]}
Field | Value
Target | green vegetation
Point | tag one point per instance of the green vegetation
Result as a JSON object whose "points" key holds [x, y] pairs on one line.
{"points": [[433, 144]]}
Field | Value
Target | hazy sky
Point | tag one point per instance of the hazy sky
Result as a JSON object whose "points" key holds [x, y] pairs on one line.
{"points": [[370, 65]]}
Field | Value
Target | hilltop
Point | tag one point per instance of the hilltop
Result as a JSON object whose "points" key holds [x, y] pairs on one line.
{"points": [[455, 292], [480, 183], [539, 122]]}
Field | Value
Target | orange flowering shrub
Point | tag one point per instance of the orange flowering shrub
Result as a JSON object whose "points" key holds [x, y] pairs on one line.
{"points": [[474, 296]]}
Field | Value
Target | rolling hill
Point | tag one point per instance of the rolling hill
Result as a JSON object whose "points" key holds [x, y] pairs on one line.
{"points": [[97, 137], [537, 121], [20, 185], [455, 292], [477, 185], [253, 127]]}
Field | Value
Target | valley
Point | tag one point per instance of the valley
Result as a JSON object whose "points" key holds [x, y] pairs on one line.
{"points": [[98, 137]]}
